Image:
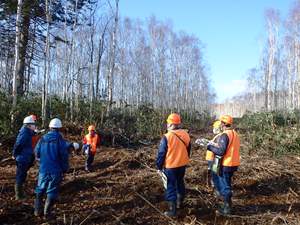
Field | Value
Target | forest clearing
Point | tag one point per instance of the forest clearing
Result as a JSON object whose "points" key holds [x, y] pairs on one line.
{"points": [[124, 188], [150, 112]]}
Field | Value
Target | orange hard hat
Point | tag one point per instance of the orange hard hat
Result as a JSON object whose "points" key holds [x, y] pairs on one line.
{"points": [[91, 127], [34, 117], [226, 119], [174, 118]]}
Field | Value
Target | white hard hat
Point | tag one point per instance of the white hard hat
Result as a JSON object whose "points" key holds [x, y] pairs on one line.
{"points": [[28, 120], [75, 145], [55, 123]]}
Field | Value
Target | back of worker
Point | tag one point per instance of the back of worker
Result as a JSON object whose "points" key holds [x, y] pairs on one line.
{"points": [[177, 154], [22, 150], [172, 158], [52, 152], [23, 154]]}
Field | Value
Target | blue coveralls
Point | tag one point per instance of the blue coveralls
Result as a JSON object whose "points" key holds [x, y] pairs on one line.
{"points": [[175, 176], [223, 181], [52, 151], [23, 154]]}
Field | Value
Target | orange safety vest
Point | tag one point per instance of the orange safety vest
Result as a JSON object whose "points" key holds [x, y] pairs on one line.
{"points": [[232, 154], [209, 154], [34, 140], [177, 154], [93, 141]]}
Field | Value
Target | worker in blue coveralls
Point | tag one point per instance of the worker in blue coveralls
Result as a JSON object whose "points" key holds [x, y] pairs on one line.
{"points": [[52, 152], [172, 158], [23, 154]]}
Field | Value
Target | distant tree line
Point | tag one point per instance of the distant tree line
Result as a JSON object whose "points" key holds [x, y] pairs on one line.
{"points": [[83, 51], [274, 84]]}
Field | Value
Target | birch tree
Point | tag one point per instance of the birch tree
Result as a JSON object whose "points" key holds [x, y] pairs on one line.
{"points": [[46, 63], [17, 56], [112, 56], [272, 20]]}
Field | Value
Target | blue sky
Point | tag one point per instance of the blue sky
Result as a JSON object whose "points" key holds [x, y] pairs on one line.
{"points": [[232, 32]]}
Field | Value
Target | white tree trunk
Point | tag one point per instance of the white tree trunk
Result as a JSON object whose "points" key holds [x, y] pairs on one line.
{"points": [[290, 82], [272, 26], [46, 64], [113, 58], [17, 53]]}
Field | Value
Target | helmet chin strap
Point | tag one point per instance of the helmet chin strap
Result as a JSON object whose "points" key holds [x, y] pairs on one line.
{"points": [[173, 127], [170, 127]]}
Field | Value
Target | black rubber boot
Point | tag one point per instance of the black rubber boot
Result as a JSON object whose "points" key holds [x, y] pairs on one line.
{"points": [[48, 214], [179, 202], [172, 209], [19, 193], [225, 210], [38, 205]]}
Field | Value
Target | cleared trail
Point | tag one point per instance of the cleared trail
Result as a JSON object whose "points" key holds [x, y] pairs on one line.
{"points": [[124, 188]]}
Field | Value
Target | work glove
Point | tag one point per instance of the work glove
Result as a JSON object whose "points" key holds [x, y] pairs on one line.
{"points": [[202, 142], [37, 131], [75, 145], [86, 149]]}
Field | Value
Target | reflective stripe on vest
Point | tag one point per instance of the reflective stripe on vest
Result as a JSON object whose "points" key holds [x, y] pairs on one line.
{"points": [[92, 140], [209, 154], [177, 154], [232, 155]]}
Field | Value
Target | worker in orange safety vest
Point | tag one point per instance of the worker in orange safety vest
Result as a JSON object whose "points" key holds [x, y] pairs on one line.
{"points": [[228, 149], [172, 159], [209, 154], [91, 142], [36, 136]]}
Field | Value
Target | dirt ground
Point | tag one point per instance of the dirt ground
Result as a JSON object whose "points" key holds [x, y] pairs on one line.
{"points": [[124, 188]]}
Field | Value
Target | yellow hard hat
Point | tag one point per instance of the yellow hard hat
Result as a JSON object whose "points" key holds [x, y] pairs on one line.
{"points": [[217, 124]]}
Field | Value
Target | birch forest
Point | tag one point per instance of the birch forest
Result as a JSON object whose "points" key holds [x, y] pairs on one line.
{"points": [[108, 74], [84, 54], [274, 83]]}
